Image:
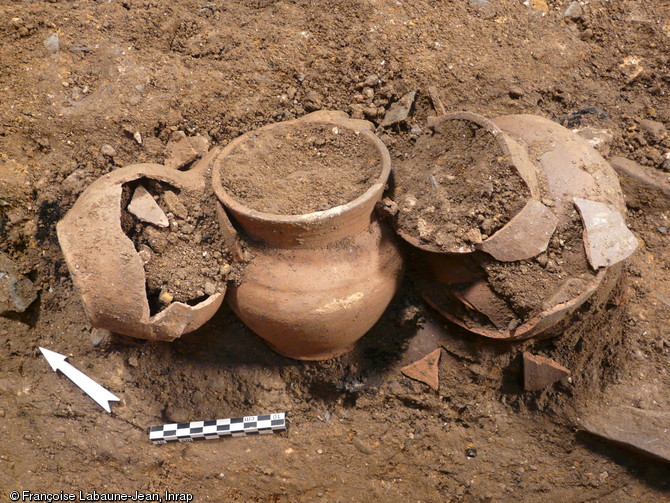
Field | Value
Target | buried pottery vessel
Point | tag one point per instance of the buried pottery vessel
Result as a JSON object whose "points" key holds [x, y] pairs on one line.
{"points": [[541, 225], [317, 280], [107, 269]]}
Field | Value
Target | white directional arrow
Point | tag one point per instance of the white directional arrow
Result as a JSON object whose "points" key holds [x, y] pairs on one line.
{"points": [[90, 387]]}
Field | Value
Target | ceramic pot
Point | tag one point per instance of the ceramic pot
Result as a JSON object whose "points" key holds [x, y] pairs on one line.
{"points": [[560, 169], [107, 269], [316, 282]]}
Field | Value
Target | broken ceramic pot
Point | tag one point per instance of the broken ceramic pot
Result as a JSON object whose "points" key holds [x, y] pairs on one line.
{"points": [[533, 268], [108, 268], [318, 281]]}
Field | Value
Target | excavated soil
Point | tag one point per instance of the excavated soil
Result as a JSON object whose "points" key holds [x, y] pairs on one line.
{"points": [[301, 168], [186, 261], [358, 429], [456, 187]]}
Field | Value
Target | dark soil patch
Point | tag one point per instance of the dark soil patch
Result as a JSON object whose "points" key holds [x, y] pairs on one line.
{"points": [[187, 261], [457, 187], [300, 168]]}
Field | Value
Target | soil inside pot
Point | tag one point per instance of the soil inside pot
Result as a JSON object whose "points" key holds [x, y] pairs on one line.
{"points": [[553, 277], [301, 168], [186, 261], [457, 187]]}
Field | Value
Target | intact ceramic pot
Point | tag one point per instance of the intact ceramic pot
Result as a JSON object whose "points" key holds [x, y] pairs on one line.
{"points": [[108, 271], [561, 170], [316, 282]]}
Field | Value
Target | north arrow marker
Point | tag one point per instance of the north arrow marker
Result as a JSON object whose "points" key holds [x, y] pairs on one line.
{"points": [[90, 387]]}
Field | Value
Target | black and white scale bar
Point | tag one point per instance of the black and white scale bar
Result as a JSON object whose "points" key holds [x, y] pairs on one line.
{"points": [[206, 430]]}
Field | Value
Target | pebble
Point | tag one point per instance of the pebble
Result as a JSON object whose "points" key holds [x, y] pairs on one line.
{"points": [[372, 81], [653, 129], [175, 205], [515, 92], [16, 291], [210, 288], [108, 150], [471, 452], [573, 12], [99, 335], [165, 297], [663, 229], [52, 44], [362, 446], [2, 412], [133, 361]]}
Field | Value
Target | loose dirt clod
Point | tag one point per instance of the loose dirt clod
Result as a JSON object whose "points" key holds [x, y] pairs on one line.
{"points": [[457, 187], [300, 168]]}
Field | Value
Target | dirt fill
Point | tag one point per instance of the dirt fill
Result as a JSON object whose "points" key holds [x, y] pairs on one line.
{"points": [[186, 261], [301, 168], [457, 187]]}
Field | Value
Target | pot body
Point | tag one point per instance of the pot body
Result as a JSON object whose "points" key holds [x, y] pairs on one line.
{"points": [[317, 282], [314, 304]]}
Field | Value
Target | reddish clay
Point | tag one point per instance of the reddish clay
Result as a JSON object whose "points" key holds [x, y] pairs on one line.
{"points": [[317, 282]]}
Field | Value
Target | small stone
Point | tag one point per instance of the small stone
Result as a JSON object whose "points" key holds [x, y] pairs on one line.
{"points": [[312, 101], [653, 129], [108, 151], [416, 130], [540, 5], [225, 269], [471, 453], [175, 205], [425, 370], [362, 446], [146, 209], [387, 207], [515, 92], [540, 372], [200, 144], [165, 297], [574, 12], [179, 151], [368, 93], [210, 288], [485, 8], [133, 361], [137, 137], [372, 81], [2, 412], [52, 44], [663, 229], [221, 476], [16, 291], [100, 335], [145, 254], [399, 111], [607, 239]]}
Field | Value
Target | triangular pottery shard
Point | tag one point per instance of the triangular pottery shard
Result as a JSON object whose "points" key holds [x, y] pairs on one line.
{"points": [[146, 209], [607, 239], [524, 236], [540, 372], [425, 370]]}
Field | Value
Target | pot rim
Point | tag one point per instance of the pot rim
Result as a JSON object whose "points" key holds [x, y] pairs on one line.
{"points": [[504, 141], [373, 192]]}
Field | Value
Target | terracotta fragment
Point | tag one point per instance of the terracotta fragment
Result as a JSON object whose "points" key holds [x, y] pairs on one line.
{"points": [[425, 370], [399, 111], [108, 271], [480, 297], [525, 236], [606, 237], [146, 209], [644, 431], [540, 372]]}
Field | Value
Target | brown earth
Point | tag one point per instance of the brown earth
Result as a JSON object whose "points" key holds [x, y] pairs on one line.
{"points": [[192, 241], [300, 169], [358, 429], [456, 187]]}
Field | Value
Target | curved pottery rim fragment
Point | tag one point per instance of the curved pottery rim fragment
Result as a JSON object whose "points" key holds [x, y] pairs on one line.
{"points": [[107, 270]]}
